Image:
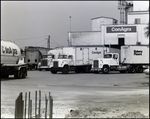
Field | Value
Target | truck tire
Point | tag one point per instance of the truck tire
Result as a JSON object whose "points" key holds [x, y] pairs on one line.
{"points": [[139, 69], [24, 73], [131, 69], [18, 74], [87, 69], [65, 70], [40, 69], [105, 70], [53, 71]]}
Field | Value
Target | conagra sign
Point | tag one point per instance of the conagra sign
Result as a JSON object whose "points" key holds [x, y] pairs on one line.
{"points": [[121, 29]]}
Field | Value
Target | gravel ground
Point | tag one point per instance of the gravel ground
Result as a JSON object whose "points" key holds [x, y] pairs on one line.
{"points": [[82, 95]]}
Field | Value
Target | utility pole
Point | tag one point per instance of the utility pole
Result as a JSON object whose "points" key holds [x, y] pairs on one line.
{"points": [[48, 42], [70, 23]]}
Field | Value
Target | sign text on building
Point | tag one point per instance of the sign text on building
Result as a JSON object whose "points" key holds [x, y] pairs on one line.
{"points": [[121, 29]]}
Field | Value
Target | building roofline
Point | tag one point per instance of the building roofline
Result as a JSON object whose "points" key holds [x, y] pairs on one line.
{"points": [[82, 31], [103, 17], [138, 12]]}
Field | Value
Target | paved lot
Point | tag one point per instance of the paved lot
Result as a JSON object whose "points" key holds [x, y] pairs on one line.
{"points": [[82, 95]]}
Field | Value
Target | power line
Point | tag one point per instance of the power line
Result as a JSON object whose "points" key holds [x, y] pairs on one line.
{"points": [[37, 42], [54, 42], [29, 38]]}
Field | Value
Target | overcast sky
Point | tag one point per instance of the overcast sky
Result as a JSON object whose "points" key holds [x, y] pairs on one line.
{"points": [[28, 23]]}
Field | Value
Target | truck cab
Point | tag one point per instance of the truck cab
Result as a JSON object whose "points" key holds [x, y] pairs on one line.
{"points": [[45, 62], [63, 63], [109, 62]]}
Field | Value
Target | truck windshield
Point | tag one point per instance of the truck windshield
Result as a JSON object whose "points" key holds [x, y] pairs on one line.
{"points": [[108, 56], [62, 57]]}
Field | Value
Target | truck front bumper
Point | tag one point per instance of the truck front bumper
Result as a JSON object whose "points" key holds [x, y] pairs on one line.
{"points": [[43, 67], [56, 69], [96, 69]]}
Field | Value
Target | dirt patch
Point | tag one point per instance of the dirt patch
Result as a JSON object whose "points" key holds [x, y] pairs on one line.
{"points": [[136, 84], [145, 84], [103, 113], [86, 113], [133, 115]]}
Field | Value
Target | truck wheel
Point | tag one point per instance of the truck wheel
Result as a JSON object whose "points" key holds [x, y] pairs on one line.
{"points": [[24, 73], [53, 71], [65, 70], [131, 69], [122, 71], [18, 74], [40, 69], [139, 69], [105, 70]]}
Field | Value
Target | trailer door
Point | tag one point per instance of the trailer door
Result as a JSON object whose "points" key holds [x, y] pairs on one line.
{"points": [[79, 56], [85, 55]]}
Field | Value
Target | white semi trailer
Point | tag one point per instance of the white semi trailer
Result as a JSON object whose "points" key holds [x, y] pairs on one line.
{"points": [[11, 63], [78, 59], [133, 59]]}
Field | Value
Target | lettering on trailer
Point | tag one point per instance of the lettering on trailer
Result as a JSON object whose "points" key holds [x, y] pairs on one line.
{"points": [[96, 52], [137, 52], [9, 50], [121, 29]]}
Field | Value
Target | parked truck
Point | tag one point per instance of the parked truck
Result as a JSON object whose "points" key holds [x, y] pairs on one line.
{"points": [[133, 59], [33, 55], [78, 59], [47, 59], [12, 62]]}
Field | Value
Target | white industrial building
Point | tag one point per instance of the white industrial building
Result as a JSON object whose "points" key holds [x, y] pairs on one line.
{"points": [[106, 31]]}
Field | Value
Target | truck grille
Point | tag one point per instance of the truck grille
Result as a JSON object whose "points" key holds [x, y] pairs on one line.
{"points": [[55, 64], [95, 64], [44, 63]]}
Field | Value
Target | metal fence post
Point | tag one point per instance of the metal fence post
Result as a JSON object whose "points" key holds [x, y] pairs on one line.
{"points": [[39, 115], [19, 106], [25, 104], [50, 106], [35, 104], [29, 106]]}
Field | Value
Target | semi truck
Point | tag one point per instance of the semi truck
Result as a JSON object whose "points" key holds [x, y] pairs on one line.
{"points": [[47, 59], [12, 62], [133, 59], [78, 59]]}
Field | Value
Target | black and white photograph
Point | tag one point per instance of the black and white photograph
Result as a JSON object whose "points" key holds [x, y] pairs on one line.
{"points": [[75, 59]]}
